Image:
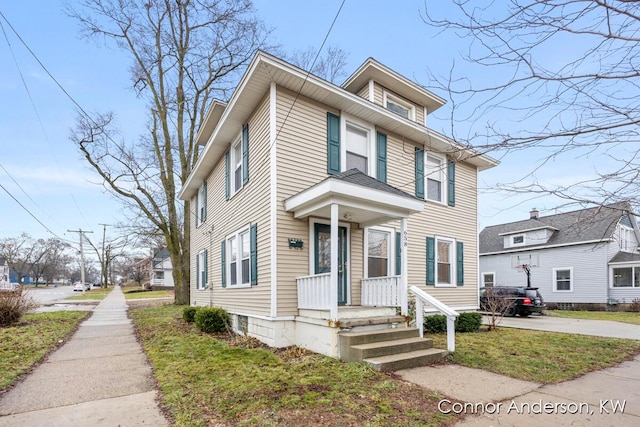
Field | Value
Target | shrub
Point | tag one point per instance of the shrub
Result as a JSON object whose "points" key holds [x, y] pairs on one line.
{"points": [[635, 305], [13, 305], [468, 322], [189, 314], [435, 323], [212, 319]]}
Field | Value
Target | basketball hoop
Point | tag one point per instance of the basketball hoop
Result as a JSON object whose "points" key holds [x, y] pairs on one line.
{"points": [[520, 268]]}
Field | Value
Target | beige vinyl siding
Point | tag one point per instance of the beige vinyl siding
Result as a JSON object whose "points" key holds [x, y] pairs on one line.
{"points": [[457, 222], [249, 205], [302, 163], [364, 92], [378, 98], [377, 93], [420, 115]]}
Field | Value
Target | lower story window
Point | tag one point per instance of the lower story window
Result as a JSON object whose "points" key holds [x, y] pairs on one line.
{"points": [[201, 278], [378, 253], [488, 279], [562, 279], [626, 277], [238, 252], [444, 254]]}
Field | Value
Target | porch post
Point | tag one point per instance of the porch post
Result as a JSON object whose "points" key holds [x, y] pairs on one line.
{"points": [[404, 272], [333, 298]]}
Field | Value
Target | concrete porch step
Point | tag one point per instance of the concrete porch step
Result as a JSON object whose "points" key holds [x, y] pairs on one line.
{"points": [[365, 337], [371, 321], [384, 348], [412, 359]]}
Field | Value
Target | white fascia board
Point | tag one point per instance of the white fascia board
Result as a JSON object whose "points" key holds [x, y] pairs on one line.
{"points": [[538, 248], [509, 233]]}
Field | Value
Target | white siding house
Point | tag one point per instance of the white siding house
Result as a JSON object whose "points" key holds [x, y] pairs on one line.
{"points": [[581, 259]]}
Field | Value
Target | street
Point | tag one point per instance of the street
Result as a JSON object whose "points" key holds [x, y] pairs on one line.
{"points": [[47, 295]]}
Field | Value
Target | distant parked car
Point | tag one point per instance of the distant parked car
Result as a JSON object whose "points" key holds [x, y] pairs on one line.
{"points": [[79, 287], [524, 300], [11, 287]]}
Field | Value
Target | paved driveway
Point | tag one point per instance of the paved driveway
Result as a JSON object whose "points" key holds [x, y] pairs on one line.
{"points": [[601, 328]]}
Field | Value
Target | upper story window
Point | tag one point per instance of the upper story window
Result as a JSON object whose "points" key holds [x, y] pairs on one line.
{"points": [[518, 240], [627, 239], [237, 163], [201, 205], [399, 106], [357, 148], [435, 178]]}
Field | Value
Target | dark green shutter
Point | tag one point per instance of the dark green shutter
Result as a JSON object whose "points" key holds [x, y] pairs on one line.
{"points": [[431, 261], [245, 154], [227, 183], [419, 173], [333, 144], [451, 175], [381, 172], [253, 260], [204, 202], [198, 271], [398, 254], [223, 253], [460, 263]]}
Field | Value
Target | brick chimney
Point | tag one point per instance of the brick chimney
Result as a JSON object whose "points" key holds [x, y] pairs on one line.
{"points": [[534, 214]]}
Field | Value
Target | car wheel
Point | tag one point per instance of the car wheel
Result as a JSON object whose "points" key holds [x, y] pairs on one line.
{"points": [[511, 311]]}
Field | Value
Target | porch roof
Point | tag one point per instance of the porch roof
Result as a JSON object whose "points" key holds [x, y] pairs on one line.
{"points": [[361, 199]]}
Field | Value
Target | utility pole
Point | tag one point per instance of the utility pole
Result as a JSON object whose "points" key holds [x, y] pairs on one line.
{"points": [[81, 233], [104, 263]]}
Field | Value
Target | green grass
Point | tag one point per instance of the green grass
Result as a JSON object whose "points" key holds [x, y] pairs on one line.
{"points": [[94, 294], [542, 357], [25, 344], [147, 294], [616, 316], [208, 380]]}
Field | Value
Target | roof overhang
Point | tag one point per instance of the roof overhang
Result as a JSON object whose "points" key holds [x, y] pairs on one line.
{"points": [[265, 69], [210, 121], [363, 205], [509, 233]]}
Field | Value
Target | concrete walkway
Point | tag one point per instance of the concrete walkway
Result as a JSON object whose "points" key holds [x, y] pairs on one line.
{"points": [[100, 377], [610, 397]]}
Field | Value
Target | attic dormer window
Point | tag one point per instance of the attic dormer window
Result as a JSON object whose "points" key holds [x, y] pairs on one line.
{"points": [[399, 106], [517, 240]]}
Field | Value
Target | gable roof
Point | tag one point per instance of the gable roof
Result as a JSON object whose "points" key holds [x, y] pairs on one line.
{"points": [[265, 70], [586, 225]]}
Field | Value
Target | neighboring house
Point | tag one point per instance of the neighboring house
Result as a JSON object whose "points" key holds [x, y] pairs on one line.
{"points": [[162, 270], [585, 259], [142, 271], [298, 175]]}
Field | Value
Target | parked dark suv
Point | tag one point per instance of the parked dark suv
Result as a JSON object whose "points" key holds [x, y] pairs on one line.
{"points": [[524, 300]]}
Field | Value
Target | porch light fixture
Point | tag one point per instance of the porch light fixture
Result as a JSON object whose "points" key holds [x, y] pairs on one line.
{"points": [[348, 216]]}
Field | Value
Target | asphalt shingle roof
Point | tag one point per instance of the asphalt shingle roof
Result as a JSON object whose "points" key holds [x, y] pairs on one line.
{"points": [[570, 227], [355, 176]]}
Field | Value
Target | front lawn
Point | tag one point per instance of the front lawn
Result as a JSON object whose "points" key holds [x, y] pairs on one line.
{"points": [[208, 380], [94, 294], [147, 294], [23, 345], [542, 357], [616, 316]]}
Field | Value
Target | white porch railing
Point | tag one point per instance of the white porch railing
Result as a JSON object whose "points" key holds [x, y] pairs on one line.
{"points": [[382, 291], [314, 292], [421, 298]]}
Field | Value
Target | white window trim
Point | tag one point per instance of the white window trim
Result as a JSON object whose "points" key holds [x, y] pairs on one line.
{"points": [[371, 139], [524, 240], [391, 250], [626, 245], [488, 272], [233, 162], [554, 279], [443, 178], [237, 234], [386, 96], [633, 272], [203, 267], [452, 262]]}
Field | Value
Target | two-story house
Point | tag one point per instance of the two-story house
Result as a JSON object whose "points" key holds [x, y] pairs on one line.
{"points": [[587, 258], [298, 175]]}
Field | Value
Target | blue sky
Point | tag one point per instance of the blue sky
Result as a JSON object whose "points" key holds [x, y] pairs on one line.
{"points": [[54, 182]]}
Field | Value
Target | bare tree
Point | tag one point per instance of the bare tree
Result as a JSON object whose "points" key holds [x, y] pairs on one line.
{"points": [[22, 254], [558, 78], [330, 65], [184, 54], [496, 306]]}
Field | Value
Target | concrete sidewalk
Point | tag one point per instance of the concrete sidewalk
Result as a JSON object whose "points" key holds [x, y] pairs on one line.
{"points": [[610, 397], [100, 377]]}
